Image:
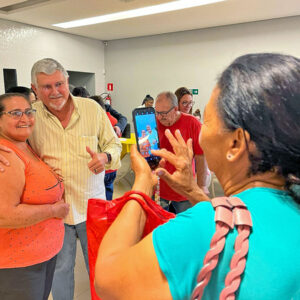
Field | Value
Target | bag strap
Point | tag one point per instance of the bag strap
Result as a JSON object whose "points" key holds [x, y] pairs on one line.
{"points": [[128, 195], [229, 212]]}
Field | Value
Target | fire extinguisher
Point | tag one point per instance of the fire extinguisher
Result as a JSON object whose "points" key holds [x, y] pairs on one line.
{"points": [[106, 97]]}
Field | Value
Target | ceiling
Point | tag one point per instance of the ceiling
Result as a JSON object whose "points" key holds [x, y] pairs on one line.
{"points": [[44, 13]]}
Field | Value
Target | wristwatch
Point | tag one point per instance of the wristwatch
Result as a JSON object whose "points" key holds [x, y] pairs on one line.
{"points": [[108, 157]]}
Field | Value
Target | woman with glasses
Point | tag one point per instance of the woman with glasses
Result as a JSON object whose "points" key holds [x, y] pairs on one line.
{"points": [[185, 100], [185, 105], [31, 208]]}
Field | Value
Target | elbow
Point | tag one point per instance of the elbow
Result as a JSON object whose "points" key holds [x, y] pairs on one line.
{"points": [[103, 282], [99, 284]]}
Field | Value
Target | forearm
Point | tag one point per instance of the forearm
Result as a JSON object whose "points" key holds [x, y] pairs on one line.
{"points": [[24, 215], [115, 152], [114, 147], [128, 227], [125, 231], [197, 195]]}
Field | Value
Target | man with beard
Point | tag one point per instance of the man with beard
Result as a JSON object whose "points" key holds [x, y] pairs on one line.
{"points": [[74, 136]]}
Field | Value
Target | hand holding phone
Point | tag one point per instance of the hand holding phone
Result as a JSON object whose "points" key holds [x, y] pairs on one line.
{"points": [[145, 127]]}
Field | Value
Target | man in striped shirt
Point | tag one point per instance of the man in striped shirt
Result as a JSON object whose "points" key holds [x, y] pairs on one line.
{"points": [[74, 136]]}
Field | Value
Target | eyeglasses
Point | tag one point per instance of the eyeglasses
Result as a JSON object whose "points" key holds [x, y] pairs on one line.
{"points": [[185, 103], [163, 113], [17, 114]]}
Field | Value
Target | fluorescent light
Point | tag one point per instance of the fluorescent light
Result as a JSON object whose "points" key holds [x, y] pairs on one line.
{"points": [[144, 11]]}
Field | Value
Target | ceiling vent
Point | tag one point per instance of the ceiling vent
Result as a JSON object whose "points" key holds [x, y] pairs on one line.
{"points": [[9, 6]]}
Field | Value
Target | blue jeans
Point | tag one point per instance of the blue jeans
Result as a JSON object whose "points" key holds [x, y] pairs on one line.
{"points": [[63, 281], [109, 179], [179, 206]]}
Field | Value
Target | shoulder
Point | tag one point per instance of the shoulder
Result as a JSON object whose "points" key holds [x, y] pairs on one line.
{"points": [[89, 105], [38, 105], [199, 218], [85, 102], [191, 119], [183, 242], [16, 164]]}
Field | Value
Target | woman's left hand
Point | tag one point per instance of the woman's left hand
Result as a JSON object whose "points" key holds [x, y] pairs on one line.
{"points": [[182, 180], [145, 179]]}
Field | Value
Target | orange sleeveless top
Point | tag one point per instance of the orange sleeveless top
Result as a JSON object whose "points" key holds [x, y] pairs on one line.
{"points": [[21, 247]]}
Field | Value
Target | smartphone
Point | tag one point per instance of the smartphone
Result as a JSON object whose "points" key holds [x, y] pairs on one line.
{"points": [[146, 135]]}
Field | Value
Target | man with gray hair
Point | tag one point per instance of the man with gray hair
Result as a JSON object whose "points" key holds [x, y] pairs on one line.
{"points": [[74, 136], [169, 117]]}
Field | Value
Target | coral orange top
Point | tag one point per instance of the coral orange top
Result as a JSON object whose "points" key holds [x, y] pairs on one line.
{"points": [[21, 247]]}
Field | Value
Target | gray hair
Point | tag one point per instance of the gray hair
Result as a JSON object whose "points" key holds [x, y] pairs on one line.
{"points": [[170, 96], [47, 66]]}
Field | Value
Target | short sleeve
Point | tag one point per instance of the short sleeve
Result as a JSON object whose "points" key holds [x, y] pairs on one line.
{"points": [[180, 246]]}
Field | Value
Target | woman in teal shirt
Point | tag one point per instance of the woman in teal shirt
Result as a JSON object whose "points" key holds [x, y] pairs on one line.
{"points": [[251, 141]]}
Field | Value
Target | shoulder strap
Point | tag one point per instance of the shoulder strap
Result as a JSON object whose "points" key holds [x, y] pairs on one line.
{"points": [[229, 212]]}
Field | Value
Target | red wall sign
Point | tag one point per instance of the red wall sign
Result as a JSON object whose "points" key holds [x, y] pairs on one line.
{"points": [[110, 87]]}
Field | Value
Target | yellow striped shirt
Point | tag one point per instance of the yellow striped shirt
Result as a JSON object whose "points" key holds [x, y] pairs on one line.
{"points": [[64, 149]]}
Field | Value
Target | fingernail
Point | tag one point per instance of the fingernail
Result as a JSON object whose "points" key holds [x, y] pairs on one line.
{"points": [[159, 173]]}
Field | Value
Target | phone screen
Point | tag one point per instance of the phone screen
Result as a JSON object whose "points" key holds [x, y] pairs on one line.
{"points": [[146, 134]]}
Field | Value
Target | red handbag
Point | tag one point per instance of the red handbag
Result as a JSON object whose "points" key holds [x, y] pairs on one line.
{"points": [[102, 213]]}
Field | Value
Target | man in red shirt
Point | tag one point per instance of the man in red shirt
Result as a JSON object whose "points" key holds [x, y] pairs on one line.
{"points": [[169, 117]]}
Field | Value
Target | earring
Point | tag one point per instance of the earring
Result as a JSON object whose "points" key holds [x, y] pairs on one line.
{"points": [[229, 156]]}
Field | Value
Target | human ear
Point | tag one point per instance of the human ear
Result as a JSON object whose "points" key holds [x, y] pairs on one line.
{"points": [[34, 88], [238, 145]]}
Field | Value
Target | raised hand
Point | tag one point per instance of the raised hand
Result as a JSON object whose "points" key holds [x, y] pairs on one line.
{"points": [[145, 179], [182, 180], [97, 164]]}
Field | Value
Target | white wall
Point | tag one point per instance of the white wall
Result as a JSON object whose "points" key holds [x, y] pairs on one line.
{"points": [[21, 45], [139, 66]]}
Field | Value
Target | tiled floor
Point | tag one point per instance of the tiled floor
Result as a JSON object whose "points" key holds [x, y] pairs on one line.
{"points": [[123, 183]]}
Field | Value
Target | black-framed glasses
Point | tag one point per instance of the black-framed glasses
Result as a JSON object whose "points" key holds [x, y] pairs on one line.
{"points": [[17, 114], [163, 113], [187, 103]]}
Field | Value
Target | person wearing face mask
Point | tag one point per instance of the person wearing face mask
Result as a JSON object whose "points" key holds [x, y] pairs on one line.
{"points": [[31, 208]]}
